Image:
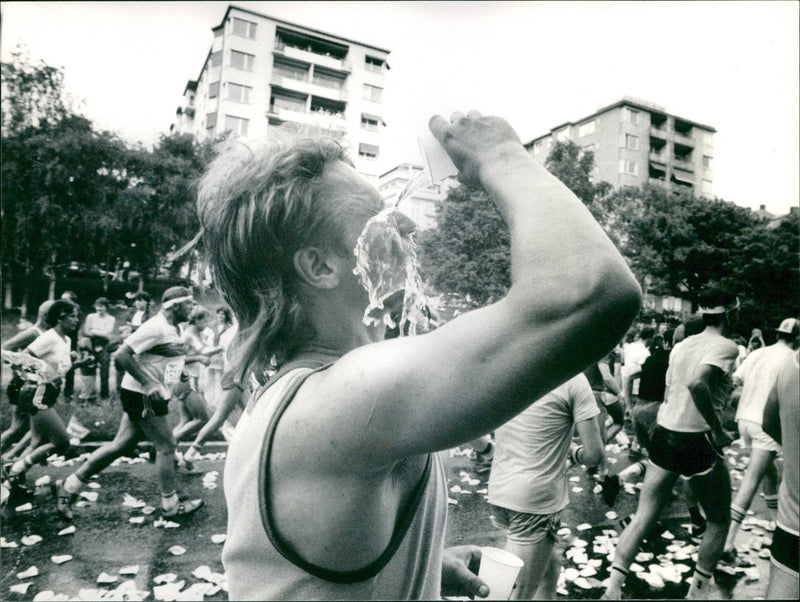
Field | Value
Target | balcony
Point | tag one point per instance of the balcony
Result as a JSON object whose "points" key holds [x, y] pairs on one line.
{"points": [[683, 163], [309, 56], [658, 132], [323, 119], [306, 87], [658, 158]]}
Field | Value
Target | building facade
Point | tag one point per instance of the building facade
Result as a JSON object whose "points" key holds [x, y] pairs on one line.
{"points": [[636, 142], [411, 184], [262, 72]]}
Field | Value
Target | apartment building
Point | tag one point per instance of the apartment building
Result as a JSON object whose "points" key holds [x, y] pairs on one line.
{"points": [[262, 71], [636, 142], [419, 196]]}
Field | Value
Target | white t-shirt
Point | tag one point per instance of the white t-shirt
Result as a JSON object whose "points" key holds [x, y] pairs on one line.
{"points": [[166, 370], [99, 326], [529, 472], [633, 354], [53, 349], [679, 412], [758, 373]]}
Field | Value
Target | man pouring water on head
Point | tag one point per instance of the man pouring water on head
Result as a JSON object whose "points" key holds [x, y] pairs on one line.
{"points": [[333, 486]]}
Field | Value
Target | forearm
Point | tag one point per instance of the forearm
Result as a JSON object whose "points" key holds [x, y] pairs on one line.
{"points": [[131, 366], [771, 419], [701, 396]]}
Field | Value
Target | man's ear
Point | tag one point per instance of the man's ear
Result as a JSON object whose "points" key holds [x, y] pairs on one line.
{"points": [[317, 267]]}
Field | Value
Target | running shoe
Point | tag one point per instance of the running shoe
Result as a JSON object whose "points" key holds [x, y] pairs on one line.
{"points": [[184, 508], [64, 500]]}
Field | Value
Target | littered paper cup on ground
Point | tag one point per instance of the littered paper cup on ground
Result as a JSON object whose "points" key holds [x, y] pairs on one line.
{"points": [[499, 570]]}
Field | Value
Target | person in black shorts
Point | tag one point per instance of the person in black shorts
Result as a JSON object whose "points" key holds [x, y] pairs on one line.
{"points": [[687, 441], [153, 358]]}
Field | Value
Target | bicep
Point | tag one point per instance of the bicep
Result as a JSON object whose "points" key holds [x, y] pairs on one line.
{"points": [[415, 395], [771, 419]]}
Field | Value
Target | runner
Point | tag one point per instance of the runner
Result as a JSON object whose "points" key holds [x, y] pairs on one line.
{"points": [[781, 419], [20, 423], [153, 358], [757, 376], [332, 482], [43, 366], [528, 484], [688, 442]]}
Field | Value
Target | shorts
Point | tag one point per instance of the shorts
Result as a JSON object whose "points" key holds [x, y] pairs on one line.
{"points": [[13, 389], [526, 528], [688, 454], [33, 397], [754, 436], [134, 405], [784, 552]]}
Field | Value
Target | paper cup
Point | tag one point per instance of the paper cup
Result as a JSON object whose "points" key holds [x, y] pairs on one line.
{"points": [[499, 570]]}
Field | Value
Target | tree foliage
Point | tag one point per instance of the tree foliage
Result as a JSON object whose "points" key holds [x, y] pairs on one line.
{"points": [[675, 243], [468, 253], [74, 193]]}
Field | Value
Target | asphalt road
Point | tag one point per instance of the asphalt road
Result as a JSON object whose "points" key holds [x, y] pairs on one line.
{"points": [[106, 541]]}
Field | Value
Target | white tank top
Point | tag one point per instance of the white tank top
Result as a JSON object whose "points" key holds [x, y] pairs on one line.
{"points": [[255, 568]]}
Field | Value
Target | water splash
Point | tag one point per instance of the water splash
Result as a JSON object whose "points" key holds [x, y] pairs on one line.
{"points": [[387, 265]]}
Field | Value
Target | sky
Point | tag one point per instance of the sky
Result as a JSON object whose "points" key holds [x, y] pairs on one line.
{"points": [[731, 65]]}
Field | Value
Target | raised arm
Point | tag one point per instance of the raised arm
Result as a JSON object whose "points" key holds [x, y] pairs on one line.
{"points": [[572, 298]]}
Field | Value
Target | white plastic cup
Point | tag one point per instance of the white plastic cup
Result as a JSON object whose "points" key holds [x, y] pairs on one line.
{"points": [[499, 570]]}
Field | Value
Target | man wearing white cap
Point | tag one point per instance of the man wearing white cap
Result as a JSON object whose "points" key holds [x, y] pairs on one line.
{"points": [[756, 376], [688, 442], [153, 358]]}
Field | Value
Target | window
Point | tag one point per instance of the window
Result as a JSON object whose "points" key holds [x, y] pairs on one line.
{"points": [[707, 187], [630, 115], [373, 64], [369, 122], [563, 135], [372, 93], [628, 167], [537, 146], [631, 141], [707, 161], [242, 60], [239, 93], [245, 29], [587, 128], [236, 124], [708, 138], [211, 123], [213, 90], [368, 150], [215, 60]]}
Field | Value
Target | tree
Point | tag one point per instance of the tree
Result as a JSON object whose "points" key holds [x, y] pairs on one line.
{"points": [[469, 252]]}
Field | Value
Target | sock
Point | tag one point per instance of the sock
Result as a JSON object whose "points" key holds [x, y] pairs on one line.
{"points": [[737, 514], [21, 466], [700, 579], [771, 501], [697, 516], [616, 578], [73, 483], [169, 500]]}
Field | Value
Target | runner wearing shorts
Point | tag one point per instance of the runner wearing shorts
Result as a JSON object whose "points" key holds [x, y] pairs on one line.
{"points": [[528, 483], [153, 358], [688, 441], [781, 421], [757, 375]]}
